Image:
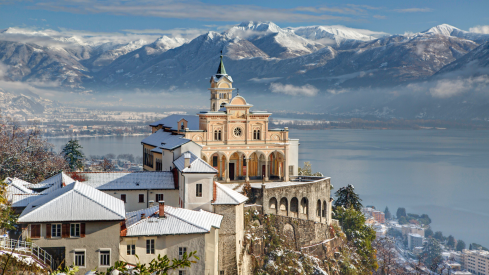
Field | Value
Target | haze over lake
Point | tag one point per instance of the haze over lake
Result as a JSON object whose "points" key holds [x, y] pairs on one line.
{"points": [[442, 173]]}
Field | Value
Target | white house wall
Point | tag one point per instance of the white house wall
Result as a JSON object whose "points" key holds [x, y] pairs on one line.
{"points": [[204, 202], [132, 198], [168, 245]]}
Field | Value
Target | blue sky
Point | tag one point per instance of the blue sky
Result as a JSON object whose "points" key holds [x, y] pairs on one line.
{"points": [[177, 16]]}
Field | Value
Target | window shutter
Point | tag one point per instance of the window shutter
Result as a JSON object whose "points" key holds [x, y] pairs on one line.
{"points": [[48, 231], [82, 230], [65, 230], [35, 231]]}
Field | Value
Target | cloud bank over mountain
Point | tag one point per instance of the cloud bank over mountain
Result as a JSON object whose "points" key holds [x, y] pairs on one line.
{"points": [[363, 72]]}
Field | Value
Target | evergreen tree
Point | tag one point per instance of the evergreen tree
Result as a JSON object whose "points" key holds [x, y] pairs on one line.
{"points": [[348, 198], [432, 254], [403, 220], [73, 154], [358, 233], [470, 247], [428, 233], [451, 242], [460, 245], [387, 213], [439, 236], [401, 212]]}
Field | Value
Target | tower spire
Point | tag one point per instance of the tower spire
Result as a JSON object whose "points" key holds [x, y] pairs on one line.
{"points": [[221, 69]]}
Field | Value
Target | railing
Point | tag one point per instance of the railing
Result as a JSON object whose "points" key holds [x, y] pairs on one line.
{"points": [[28, 248]]}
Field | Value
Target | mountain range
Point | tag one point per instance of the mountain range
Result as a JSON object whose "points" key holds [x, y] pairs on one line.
{"points": [[265, 58]]}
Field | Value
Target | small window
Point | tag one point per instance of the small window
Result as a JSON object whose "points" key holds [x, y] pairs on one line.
{"points": [[131, 249], [198, 190], [244, 164], [56, 230], [182, 272], [150, 246], [80, 258], [159, 197], [221, 272], [104, 257], [75, 230], [123, 198], [214, 161], [182, 126], [141, 198], [181, 252]]}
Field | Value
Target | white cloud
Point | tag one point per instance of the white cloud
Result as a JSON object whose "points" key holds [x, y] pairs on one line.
{"points": [[413, 10], [197, 10], [289, 89], [451, 87], [480, 29]]}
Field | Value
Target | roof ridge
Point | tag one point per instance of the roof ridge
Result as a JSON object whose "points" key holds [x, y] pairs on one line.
{"points": [[97, 201], [224, 190], [191, 223], [37, 208]]}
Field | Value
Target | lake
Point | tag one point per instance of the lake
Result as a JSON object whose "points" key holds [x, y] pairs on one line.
{"points": [[442, 173]]}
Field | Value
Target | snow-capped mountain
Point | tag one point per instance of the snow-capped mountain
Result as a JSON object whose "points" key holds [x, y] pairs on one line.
{"points": [[256, 54], [24, 103], [447, 30], [336, 35], [274, 41]]}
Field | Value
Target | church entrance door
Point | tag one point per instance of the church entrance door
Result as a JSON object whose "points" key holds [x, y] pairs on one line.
{"points": [[231, 171]]}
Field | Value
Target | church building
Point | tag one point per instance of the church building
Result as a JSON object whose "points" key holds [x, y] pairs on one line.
{"points": [[231, 137]]}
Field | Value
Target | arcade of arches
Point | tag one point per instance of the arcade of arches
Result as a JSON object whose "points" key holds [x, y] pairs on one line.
{"points": [[251, 166]]}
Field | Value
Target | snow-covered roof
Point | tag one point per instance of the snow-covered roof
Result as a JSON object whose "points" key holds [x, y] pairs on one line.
{"points": [[177, 221], [164, 140], [129, 181], [58, 180], [197, 165], [218, 77], [171, 122], [22, 200], [74, 202], [226, 195], [17, 186]]}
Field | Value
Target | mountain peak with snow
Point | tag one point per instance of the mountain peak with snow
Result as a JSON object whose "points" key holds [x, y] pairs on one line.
{"points": [[443, 29]]}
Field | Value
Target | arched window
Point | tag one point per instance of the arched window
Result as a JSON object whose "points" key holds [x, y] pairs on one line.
{"points": [[214, 107], [182, 126], [256, 134], [318, 208], [217, 135], [304, 206], [324, 209], [272, 203]]}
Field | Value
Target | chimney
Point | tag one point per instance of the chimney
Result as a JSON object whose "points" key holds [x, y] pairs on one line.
{"points": [[151, 203], [143, 216], [162, 209], [187, 160]]}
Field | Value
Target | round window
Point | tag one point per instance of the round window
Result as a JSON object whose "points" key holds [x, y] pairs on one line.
{"points": [[237, 131]]}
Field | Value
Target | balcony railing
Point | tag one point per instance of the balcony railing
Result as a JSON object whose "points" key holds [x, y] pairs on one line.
{"points": [[26, 248]]}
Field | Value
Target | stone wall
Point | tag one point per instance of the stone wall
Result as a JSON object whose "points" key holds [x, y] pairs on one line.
{"points": [[228, 261], [304, 198]]}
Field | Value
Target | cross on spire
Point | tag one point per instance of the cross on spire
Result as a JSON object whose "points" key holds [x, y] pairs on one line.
{"points": [[221, 69]]}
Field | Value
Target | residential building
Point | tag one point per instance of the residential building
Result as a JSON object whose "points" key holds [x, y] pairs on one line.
{"points": [[415, 240], [77, 225], [476, 261], [412, 229], [171, 231]]}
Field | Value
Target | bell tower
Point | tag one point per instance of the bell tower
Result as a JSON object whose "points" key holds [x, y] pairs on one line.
{"points": [[221, 88]]}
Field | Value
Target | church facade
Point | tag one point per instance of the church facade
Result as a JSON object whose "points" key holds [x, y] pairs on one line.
{"points": [[234, 139]]}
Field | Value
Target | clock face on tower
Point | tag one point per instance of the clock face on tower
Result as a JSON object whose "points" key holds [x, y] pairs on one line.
{"points": [[237, 132]]}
